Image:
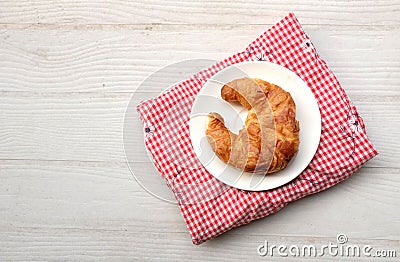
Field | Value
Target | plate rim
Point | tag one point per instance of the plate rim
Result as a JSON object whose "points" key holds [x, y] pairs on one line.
{"points": [[313, 150]]}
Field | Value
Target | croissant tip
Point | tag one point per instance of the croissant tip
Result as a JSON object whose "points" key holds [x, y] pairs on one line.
{"points": [[214, 115]]}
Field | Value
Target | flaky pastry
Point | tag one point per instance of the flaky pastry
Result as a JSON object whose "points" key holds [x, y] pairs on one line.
{"points": [[270, 136]]}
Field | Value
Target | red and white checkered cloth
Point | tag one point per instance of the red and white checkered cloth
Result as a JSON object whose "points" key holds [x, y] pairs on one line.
{"points": [[210, 207]]}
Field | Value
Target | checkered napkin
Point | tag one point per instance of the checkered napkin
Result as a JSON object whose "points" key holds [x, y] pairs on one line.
{"points": [[210, 207]]}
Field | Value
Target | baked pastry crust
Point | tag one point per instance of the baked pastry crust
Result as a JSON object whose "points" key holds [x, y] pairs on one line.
{"points": [[270, 136]]}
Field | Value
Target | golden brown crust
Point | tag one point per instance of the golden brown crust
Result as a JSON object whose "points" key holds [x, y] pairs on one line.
{"points": [[219, 137], [270, 137]]}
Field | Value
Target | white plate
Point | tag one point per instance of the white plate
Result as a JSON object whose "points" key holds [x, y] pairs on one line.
{"points": [[209, 100]]}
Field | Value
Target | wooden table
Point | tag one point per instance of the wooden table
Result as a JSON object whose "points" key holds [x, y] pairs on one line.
{"points": [[67, 72]]}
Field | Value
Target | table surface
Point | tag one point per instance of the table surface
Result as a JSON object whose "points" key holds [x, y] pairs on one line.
{"points": [[67, 73]]}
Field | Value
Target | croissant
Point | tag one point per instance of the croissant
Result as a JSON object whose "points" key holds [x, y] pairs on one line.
{"points": [[270, 136]]}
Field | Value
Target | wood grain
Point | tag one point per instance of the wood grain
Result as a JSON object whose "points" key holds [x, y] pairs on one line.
{"points": [[88, 126], [119, 61], [199, 12], [96, 209], [67, 73]]}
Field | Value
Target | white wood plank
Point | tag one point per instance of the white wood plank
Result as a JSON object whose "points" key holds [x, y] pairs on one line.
{"points": [[88, 127], [74, 210], [199, 12], [58, 128], [67, 70], [127, 246], [116, 60]]}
